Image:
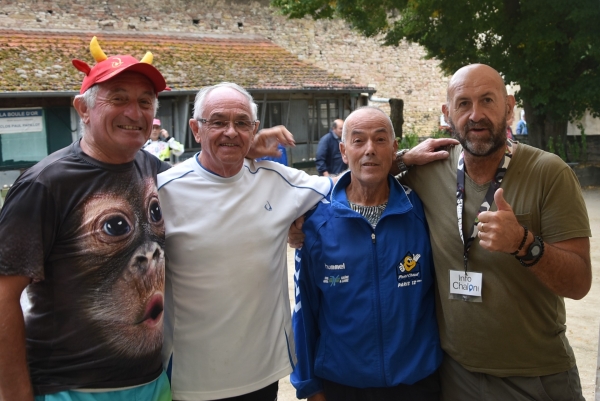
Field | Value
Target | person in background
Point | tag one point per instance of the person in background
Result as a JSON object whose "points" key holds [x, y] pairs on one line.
{"points": [[328, 159], [162, 147], [522, 124]]}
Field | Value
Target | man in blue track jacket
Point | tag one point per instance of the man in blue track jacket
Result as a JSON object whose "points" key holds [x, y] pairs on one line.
{"points": [[364, 320]]}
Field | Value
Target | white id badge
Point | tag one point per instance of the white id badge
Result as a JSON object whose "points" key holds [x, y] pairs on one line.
{"points": [[466, 286]]}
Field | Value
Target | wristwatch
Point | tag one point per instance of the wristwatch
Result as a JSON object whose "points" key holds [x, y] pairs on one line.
{"points": [[534, 252], [399, 160]]}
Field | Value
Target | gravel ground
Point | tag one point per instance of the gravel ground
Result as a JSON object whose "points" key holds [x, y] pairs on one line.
{"points": [[583, 319]]}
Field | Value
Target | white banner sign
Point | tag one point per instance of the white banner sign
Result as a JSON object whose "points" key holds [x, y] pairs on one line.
{"points": [[19, 121]]}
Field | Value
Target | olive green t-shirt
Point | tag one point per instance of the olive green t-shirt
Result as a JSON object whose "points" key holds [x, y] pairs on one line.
{"points": [[519, 327]]}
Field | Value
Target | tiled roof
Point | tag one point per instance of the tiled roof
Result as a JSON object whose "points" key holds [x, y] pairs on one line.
{"points": [[40, 61]]}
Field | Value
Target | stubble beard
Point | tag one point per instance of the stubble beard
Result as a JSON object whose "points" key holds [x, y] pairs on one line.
{"points": [[481, 148]]}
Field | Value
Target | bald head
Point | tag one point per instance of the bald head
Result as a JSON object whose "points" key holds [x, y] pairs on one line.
{"points": [[336, 127], [474, 75], [368, 146], [370, 113]]}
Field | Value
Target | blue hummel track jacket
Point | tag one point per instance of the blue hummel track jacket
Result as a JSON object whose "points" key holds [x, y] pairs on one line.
{"points": [[365, 307]]}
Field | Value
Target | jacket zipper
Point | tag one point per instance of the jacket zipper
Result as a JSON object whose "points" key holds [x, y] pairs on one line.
{"points": [[378, 310]]}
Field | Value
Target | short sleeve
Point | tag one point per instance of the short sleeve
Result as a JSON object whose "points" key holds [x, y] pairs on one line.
{"points": [[309, 189], [27, 223], [564, 213]]}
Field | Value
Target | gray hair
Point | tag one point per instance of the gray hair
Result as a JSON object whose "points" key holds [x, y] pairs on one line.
{"points": [[201, 97], [345, 126], [89, 99]]}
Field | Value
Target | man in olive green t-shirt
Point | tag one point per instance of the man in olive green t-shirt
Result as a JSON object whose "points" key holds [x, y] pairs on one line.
{"points": [[502, 276]]}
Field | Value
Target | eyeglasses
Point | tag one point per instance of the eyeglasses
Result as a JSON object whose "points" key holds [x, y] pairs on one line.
{"points": [[221, 125]]}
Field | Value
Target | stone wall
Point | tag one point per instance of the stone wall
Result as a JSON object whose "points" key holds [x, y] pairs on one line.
{"points": [[395, 72]]}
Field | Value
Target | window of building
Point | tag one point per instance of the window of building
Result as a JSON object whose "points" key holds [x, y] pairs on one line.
{"points": [[271, 114], [327, 110], [23, 140]]}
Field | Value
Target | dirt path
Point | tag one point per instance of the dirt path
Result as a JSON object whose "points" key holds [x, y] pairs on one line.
{"points": [[583, 317]]}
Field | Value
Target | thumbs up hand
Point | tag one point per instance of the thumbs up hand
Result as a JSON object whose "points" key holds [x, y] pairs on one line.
{"points": [[499, 231], [501, 203]]}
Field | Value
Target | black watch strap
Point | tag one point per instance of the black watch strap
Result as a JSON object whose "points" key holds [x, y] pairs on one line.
{"points": [[535, 251]]}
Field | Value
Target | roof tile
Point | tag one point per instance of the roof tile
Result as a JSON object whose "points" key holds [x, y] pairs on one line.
{"points": [[41, 61]]}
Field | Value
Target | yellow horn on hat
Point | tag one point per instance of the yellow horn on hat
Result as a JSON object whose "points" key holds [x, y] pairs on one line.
{"points": [[148, 58], [96, 51]]}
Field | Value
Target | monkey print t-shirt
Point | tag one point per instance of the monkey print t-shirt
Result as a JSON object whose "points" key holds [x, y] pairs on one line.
{"points": [[91, 236]]}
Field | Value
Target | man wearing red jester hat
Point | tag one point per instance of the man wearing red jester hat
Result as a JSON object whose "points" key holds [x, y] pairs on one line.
{"points": [[83, 232]]}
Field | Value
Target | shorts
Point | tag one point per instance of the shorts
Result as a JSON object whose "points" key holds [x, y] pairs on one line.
{"points": [[459, 384]]}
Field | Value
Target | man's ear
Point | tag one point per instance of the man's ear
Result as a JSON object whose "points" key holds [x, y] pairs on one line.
{"points": [[343, 152], [445, 110], [510, 105], [82, 109], [194, 126]]}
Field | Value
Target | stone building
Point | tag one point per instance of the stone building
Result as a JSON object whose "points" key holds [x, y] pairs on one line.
{"points": [[394, 72]]}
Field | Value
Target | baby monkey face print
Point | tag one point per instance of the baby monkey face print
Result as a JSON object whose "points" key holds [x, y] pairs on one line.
{"points": [[91, 237], [119, 267]]}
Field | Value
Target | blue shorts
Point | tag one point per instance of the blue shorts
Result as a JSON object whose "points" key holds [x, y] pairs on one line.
{"points": [[158, 390]]}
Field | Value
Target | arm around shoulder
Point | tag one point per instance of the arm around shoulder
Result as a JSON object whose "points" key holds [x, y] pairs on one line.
{"points": [[428, 151]]}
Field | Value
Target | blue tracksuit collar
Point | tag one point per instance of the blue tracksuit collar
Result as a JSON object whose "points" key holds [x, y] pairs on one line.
{"points": [[398, 202]]}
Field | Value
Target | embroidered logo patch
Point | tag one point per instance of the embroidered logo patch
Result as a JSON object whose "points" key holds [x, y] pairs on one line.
{"points": [[408, 271], [333, 280]]}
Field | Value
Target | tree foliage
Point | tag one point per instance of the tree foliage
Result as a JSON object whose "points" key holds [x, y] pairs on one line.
{"points": [[550, 48]]}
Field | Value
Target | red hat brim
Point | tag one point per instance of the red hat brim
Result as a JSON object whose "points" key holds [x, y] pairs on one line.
{"points": [[105, 70]]}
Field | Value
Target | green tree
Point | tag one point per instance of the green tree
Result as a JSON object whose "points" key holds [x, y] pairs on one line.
{"points": [[550, 48]]}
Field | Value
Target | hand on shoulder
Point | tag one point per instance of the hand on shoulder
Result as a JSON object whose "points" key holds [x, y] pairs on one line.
{"points": [[428, 151]]}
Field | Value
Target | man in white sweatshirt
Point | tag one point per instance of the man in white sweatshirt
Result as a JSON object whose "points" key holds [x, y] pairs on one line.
{"points": [[228, 330]]}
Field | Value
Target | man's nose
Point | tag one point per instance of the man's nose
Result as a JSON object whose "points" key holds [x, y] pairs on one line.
{"points": [[133, 111], [230, 129], [370, 147], [476, 113]]}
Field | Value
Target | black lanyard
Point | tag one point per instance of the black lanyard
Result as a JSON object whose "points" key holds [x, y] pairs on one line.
{"points": [[487, 200]]}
